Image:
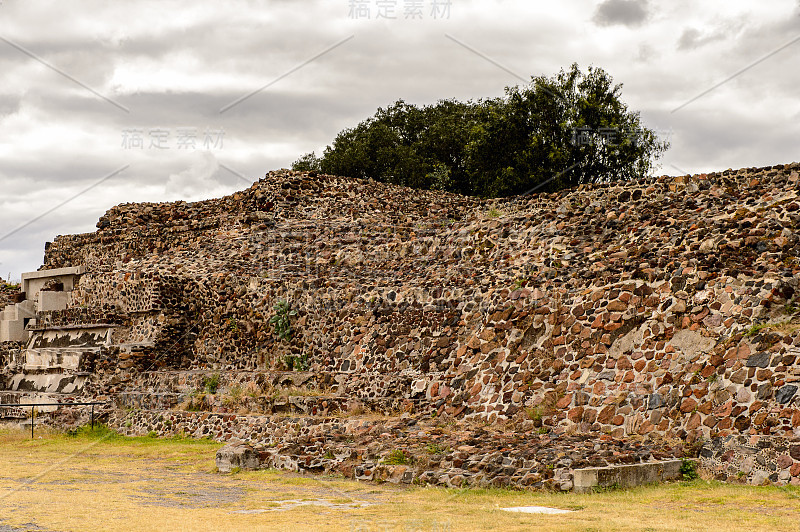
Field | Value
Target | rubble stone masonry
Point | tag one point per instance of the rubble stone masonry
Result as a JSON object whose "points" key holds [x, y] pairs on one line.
{"points": [[661, 311]]}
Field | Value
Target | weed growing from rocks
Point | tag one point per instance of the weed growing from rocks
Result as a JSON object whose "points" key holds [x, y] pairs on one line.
{"points": [[534, 414], [396, 457], [355, 408], [688, 470], [210, 384], [435, 448], [251, 389], [234, 396], [282, 320], [296, 362]]}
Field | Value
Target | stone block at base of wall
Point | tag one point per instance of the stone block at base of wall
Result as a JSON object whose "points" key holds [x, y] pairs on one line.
{"points": [[625, 476], [239, 456]]}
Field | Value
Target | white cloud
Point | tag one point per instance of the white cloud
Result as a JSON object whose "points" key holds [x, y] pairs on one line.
{"points": [[197, 181]]}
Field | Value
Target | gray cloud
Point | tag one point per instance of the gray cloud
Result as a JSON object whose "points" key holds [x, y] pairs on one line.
{"points": [[175, 63], [692, 38], [621, 12]]}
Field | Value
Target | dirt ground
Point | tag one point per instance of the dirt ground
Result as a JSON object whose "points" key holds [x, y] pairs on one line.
{"points": [[98, 481]]}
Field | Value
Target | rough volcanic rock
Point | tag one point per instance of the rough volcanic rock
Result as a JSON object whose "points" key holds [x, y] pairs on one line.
{"points": [[662, 307]]}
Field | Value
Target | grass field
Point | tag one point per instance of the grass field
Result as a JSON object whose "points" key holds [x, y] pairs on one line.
{"points": [[100, 481]]}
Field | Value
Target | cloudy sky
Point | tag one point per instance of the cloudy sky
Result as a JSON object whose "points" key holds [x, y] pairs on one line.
{"points": [[111, 102]]}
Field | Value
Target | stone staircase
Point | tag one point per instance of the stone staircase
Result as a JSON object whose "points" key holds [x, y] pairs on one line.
{"points": [[51, 374], [53, 361]]}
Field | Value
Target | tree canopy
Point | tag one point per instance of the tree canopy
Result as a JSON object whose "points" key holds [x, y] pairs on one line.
{"points": [[551, 134]]}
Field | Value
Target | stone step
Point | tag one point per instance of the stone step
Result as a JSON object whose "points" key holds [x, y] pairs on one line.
{"points": [[310, 405], [22, 397], [415, 450], [135, 347], [73, 335], [48, 382], [361, 385], [57, 358]]}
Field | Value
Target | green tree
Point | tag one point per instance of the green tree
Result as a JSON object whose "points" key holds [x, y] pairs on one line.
{"points": [[560, 132], [308, 163], [553, 133]]}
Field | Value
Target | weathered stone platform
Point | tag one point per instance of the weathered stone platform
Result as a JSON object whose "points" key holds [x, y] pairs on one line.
{"points": [[625, 476], [662, 312]]}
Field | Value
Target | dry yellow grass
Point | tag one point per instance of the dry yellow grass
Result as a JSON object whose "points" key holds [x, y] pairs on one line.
{"points": [[93, 482]]}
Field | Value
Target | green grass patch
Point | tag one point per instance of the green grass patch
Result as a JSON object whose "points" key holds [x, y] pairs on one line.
{"points": [[396, 457]]}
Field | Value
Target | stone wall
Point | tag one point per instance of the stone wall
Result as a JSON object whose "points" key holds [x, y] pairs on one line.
{"points": [[661, 308], [129, 292], [753, 459], [634, 291], [9, 355], [7, 293]]}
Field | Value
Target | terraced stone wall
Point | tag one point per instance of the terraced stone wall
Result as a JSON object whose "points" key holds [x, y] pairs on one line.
{"points": [[360, 448], [664, 306]]}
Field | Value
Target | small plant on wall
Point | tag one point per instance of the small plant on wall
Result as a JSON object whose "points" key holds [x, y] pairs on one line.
{"points": [[296, 363], [210, 384], [282, 320]]}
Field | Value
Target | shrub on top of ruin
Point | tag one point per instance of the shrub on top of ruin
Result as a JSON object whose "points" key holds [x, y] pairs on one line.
{"points": [[550, 134], [282, 320], [308, 163]]}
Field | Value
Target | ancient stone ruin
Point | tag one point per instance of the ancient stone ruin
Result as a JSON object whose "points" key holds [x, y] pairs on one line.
{"points": [[327, 324]]}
